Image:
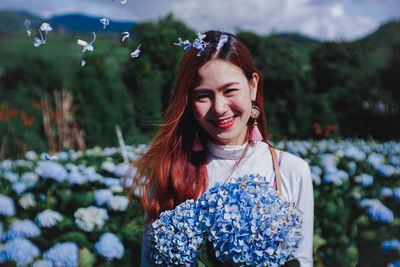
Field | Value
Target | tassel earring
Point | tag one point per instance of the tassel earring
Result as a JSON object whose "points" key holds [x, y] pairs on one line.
{"points": [[197, 146], [255, 134]]}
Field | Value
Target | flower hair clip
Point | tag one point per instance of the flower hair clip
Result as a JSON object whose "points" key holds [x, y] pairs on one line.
{"points": [[198, 43], [223, 39]]}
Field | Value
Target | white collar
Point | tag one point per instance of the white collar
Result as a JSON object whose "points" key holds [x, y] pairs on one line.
{"points": [[231, 152]]}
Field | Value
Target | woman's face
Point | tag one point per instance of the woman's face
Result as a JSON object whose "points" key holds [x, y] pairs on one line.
{"points": [[222, 101]]}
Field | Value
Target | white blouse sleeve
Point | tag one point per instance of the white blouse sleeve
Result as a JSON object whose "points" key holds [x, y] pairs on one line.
{"points": [[305, 203]]}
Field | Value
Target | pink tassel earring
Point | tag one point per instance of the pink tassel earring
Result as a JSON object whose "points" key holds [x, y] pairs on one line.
{"points": [[197, 146], [255, 134]]}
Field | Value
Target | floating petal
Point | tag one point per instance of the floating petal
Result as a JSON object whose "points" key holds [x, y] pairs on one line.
{"points": [[125, 35], [135, 53]]}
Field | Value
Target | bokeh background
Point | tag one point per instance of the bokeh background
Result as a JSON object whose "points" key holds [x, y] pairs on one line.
{"points": [[331, 78]]}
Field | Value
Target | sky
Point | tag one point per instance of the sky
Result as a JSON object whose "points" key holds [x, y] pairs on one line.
{"points": [[321, 19]]}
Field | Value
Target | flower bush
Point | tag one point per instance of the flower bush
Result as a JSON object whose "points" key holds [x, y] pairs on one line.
{"points": [[356, 192], [68, 210]]}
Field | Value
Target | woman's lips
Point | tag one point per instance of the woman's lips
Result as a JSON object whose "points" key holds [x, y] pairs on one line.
{"points": [[225, 123]]}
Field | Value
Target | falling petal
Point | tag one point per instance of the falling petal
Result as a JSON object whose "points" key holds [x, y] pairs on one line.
{"points": [[87, 46], [123, 2], [186, 44], [27, 24], [105, 22], [125, 35], [45, 27], [52, 158], [223, 39], [83, 62], [135, 53], [37, 42]]}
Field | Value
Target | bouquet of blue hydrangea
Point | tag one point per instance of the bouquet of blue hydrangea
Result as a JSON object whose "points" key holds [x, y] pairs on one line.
{"points": [[242, 223]]}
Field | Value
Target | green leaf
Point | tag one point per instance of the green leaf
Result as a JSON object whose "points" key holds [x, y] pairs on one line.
{"points": [[207, 256], [86, 258]]}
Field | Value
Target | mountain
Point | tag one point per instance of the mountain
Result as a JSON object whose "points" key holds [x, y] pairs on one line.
{"points": [[12, 21], [84, 24]]}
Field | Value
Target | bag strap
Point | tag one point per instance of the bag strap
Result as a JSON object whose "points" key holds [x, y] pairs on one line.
{"points": [[275, 163]]}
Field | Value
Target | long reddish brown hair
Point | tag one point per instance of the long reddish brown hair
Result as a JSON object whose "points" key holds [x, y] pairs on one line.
{"points": [[171, 172]]}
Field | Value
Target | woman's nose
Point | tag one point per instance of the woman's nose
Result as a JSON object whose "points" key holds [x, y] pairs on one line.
{"points": [[220, 105]]}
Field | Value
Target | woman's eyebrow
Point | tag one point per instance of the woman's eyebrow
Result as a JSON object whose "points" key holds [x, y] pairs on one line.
{"points": [[201, 89]]}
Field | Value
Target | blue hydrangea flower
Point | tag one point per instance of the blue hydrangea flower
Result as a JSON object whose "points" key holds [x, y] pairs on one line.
{"points": [[121, 169], [249, 223], [355, 153], [19, 188], [75, 177], [109, 181], [22, 228], [109, 247], [394, 264], [386, 191], [176, 237], [51, 170], [48, 218], [389, 245], [336, 177], [364, 179], [101, 196], [7, 207], [11, 176], [20, 250], [377, 211], [63, 254], [396, 194], [89, 218]]}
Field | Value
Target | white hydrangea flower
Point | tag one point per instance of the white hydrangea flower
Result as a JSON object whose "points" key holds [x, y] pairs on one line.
{"points": [[27, 201], [89, 218], [116, 188], [118, 203], [48, 218], [31, 155], [108, 166]]}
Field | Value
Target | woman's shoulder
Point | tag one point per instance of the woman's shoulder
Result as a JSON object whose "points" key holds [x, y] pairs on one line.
{"points": [[288, 162]]}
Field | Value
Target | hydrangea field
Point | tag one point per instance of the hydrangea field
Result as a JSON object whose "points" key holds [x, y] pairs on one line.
{"points": [[71, 210]]}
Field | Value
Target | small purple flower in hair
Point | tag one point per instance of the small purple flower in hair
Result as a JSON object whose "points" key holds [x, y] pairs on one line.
{"points": [[185, 44], [199, 43]]}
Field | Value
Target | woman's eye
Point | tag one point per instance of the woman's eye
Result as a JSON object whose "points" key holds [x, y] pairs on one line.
{"points": [[230, 91], [201, 97]]}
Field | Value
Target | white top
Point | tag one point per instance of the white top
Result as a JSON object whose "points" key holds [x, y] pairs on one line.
{"points": [[296, 183]]}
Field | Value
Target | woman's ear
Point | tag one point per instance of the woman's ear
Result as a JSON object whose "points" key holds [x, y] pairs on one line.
{"points": [[253, 84]]}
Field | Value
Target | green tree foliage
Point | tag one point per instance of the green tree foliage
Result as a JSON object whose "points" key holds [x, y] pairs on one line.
{"points": [[150, 78], [102, 103]]}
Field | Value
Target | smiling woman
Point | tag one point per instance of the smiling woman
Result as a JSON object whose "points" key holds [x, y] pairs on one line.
{"points": [[214, 131]]}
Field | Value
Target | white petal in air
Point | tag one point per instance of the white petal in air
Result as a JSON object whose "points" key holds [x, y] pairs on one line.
{"points": [[37, 41], [87, 46], [45, 27], [135, 53], [124, 36], [105, 22], [47, 157], [27, 24], [83, 62], [123, 1]]}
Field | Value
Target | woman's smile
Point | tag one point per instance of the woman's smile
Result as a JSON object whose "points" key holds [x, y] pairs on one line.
{"points": [[226, 122]]}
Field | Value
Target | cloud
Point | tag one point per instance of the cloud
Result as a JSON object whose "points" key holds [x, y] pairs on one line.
{"points": [[322, 19]]}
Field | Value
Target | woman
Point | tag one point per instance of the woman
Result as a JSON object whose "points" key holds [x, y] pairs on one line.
{"points": [[215, 129]]}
